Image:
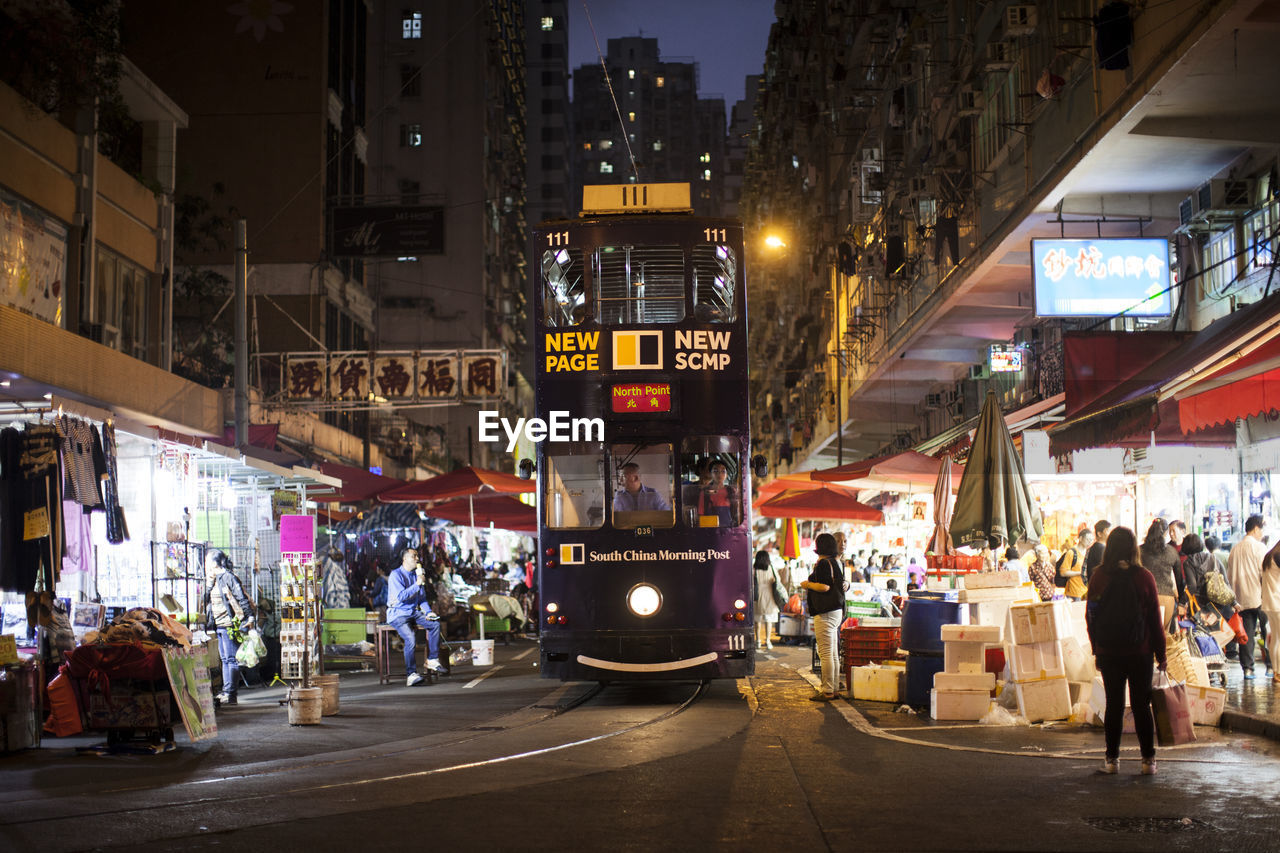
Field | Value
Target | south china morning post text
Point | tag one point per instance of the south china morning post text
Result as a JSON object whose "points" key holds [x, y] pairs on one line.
{"points": [[558, 427]]}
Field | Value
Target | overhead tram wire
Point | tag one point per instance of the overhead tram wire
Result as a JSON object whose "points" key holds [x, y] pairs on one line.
{"points": [[626, 140]]}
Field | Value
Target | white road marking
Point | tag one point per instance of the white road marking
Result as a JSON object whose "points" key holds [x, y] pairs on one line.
{"points": [[524, 654], [473, 682]]}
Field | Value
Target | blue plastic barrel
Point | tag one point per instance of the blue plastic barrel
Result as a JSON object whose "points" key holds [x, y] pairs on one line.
{"points": [[922, 622], [920, 671]]}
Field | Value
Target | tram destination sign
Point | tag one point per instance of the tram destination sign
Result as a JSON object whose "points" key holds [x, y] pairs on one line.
{"points": [[640, 397], [387, 231], [1101, 277]]}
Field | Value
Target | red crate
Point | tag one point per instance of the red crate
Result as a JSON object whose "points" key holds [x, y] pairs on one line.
{"points": [[863, 645]]}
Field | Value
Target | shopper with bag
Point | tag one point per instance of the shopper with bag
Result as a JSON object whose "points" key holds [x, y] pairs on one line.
{"points": [[770, 598], [1244, 573], [225, 608], [1201, 585], [826, 586], [1123, 619]]}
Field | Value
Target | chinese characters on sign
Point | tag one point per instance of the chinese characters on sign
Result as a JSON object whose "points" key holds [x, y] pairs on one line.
{"points": [[641, 397], [1101, 277], [397, 377]]}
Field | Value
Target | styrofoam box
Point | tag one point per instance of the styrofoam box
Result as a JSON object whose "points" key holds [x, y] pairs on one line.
{"points": [[958, 704], [1077, 661], [1098, 696], [963, 656], [1036, 661], [1080, 691], [964, 681], [1207, 704], [1049, 699], [971, 633], [990, 613], [1039, 623], [879, 683], [995, 593], [880, 621], [988, 580]]}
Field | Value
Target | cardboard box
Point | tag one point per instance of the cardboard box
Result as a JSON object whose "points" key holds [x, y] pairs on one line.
{"points": [[1207, 704], [879, 683], [1036, 661], [958, 704], [1039, 623], [1078, 660], [972, 633], [990, 580], [1049, 699], [964, 681], [964, 656], [1000, 593]]}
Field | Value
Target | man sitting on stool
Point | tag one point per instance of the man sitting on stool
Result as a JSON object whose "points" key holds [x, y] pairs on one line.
{"points": [[407, 606]]}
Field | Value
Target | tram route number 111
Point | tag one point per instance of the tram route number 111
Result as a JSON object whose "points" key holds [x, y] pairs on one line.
{"points": [[558, 238], [714, 234]]}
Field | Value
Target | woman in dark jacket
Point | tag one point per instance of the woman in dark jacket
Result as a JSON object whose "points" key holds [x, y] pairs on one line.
{"points": [[1161, 559], [1194, 577], [826, 586], [1123, 620]]}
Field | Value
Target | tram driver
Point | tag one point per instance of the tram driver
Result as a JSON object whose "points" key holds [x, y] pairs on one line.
{"points": [[637, 496]]}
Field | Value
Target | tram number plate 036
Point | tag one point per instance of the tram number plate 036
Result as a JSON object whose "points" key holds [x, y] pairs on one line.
{"points": [[644, 531]]}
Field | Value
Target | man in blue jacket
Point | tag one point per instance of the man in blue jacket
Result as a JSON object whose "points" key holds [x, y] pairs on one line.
{"points": [[407, 606]]}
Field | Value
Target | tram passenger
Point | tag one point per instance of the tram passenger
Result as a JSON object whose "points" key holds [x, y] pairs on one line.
{"points": [[636, 495], [718, 497], [407, 606]]}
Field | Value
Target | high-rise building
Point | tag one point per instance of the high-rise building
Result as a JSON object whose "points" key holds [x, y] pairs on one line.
{"points": [[547, 80], [646, 123], [741, 126]]}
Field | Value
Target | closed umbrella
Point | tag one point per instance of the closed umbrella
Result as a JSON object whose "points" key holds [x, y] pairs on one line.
{"points": [[994, 501], [940, 542], [790, 539]]}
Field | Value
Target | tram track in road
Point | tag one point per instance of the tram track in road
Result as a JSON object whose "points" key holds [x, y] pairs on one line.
{"points": [[175, 807]]}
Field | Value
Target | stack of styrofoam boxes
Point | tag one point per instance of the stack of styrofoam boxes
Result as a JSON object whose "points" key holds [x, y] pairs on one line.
{"points": [[962, 691], [1035, 659], [990, 594]]}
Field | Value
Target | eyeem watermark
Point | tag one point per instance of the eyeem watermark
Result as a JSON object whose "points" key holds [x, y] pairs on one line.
{"points": [[558, 427]]}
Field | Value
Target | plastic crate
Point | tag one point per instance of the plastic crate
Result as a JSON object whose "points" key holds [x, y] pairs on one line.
{"points": [[866, 644]]}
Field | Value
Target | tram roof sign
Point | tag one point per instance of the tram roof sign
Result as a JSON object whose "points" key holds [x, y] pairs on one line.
{"points": [[636, 198]]}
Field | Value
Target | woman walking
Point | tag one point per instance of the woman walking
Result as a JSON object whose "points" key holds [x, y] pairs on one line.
{"points": [[766, 608], [1123, 620], [826, 586]]}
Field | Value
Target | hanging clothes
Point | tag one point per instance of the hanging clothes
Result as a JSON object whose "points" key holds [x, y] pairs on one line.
{"points": [[40, 504], [10, 511], [82, 461], [117, 529]]}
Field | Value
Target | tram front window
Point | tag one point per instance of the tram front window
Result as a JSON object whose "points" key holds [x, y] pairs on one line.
{"points": [[639, 284], [715, 278], [564, 292], [711, 485], [642, 485], [575, 486]]}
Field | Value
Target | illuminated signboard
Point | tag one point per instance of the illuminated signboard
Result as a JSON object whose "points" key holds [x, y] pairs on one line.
{"points": [[1101, 278], [641, 397], [1005, 359]]}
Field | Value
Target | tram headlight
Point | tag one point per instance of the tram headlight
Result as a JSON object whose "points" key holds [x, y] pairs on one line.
{"points": [[552, 607], [644, 599], [739, 604]]}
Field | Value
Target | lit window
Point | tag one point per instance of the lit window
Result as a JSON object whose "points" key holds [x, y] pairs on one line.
{"points": [[606, 144], [411, 25], [705, 158], [631, 116], [631, 136], [606, 168], [631, 74], [410, 135], [586, 146], [548, 23], [706, 174], [657, 145], [795, 161], [631, 93], [661, 81]]}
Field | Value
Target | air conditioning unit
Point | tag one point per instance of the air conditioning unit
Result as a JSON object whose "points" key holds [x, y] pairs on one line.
{"points": [[979, 371], [970, 102], [1217, 199], [1019, 20], [998, 55]]}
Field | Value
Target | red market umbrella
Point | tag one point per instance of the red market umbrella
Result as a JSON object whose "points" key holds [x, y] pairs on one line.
{"points": [[793, 482], [456, 484], [908, 471], [502, 511], [827, 503], [358, 484], [790, 539], [940, 542]]}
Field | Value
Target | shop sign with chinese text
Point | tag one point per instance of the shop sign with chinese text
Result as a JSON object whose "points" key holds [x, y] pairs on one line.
{"points": [[406, 376]]}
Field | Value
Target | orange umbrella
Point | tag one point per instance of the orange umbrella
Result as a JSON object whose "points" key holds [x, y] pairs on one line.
{"points": [[790, 539], [786, 481], [502, 511], [908, 471]]}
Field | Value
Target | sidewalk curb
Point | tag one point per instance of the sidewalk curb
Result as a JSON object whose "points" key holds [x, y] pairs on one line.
{"points": [[1239, 721]]}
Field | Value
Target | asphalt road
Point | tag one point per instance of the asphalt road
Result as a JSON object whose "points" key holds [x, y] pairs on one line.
{"points": [[516, 763]]}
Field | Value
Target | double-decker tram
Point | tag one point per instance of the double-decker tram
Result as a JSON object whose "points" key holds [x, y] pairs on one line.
{"points": [[644, 528]]}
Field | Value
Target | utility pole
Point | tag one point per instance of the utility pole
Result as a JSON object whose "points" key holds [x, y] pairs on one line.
{"points": [[242, 335]]}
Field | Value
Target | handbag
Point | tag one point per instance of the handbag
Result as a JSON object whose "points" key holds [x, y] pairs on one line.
{"points": [[779, 591], [1217, 589], [1235, 623], [1206, 617], [1172, 711]]}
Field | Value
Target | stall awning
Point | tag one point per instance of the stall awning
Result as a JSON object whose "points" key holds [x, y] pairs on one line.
{"points": [[1246, 387], [1136, 408], [358, 484]]}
